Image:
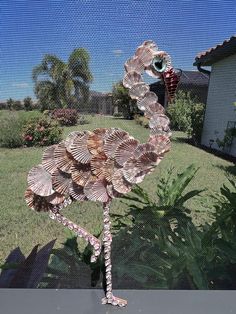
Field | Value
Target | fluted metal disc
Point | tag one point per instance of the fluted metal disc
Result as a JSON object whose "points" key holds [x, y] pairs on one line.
{"points": [[112, 192], [145, 55], [55, 199], [134, 64], [80, 173], [119, 183], [48, 160], [125, 150], [36, 202], [148, 99], [131, 171], [161, 142], [77, 192], [160, 121], [70, 138], [63, 159], [95, 190], [61, 182], [154, 108], [131, 78], [40, 181], [113, 141], [95, 143], [79, 149], [98, 165], [144, 148], [138, 90]]}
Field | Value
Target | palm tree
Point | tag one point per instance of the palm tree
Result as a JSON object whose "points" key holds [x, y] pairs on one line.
{"points": [[60, 84]]}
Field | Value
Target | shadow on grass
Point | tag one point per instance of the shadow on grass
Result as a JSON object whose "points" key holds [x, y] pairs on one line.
{"points": [[228, 169]]}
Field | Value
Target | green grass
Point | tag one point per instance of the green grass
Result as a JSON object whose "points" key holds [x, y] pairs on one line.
{"points": [[19, 226]]}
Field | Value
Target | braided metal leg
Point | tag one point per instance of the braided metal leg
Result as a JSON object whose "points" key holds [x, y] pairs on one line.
{"points": [[107, 240], [80, 232]]}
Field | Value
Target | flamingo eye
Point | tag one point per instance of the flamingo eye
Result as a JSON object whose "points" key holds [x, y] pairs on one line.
{"points": [[159, 64]]}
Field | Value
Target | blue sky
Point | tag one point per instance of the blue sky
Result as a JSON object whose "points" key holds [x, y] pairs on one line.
{"points": [[109, 30]]}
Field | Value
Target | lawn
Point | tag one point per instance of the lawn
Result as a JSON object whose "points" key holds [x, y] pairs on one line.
{"points": [[19, 226]]}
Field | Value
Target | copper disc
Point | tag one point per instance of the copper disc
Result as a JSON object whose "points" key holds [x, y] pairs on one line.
{"points": [[36, 202], [95, 190], [55, 199], [113, 141], [119, 183], [40, 181], [48, 160], [63, 158], [77, 192], [125, 150], [61, 182], [80, 173], [131, 78], [79, 149], [138, 90]]}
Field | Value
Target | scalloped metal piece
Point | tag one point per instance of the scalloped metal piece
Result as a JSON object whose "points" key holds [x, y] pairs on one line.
{"points": [[161, 143], [95, 143], [80, 173], [55, 199], [61, 182], [134, 64], [131, 171], [48, 160], [70, 138], [40, 181], [148, 99], [77, 192], [145, 55], [160, 121], [154, 108], [112, 192], [138, 90], [36, 202], [79, 149], [63, 159], [113, 141], [98, 165], [119, 183], [144, 148], [125, 150], [131, 78], [95, 190]]}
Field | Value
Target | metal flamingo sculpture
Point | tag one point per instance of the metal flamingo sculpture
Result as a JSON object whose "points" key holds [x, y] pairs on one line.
{"points": [[106, 163]]}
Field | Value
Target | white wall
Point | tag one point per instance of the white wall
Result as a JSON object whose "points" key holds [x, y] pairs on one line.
{"points": [[221, 96]]}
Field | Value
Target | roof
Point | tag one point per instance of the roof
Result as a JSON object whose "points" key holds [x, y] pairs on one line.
{"points": [[214, 54], [191, 78], [98, 94]]}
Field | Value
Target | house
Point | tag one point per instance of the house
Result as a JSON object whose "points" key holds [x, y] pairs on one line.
{"points": [[190, 81], [220, 112], [99, 103]]}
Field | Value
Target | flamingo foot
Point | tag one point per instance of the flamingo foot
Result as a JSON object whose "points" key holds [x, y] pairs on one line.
{"points": [[114, 301]]}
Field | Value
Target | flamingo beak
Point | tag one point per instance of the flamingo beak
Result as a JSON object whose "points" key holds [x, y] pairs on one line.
{"points": [[171, 78]]}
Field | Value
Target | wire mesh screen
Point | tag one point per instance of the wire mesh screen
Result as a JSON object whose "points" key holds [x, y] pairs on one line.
{"points": [[62, 66]]}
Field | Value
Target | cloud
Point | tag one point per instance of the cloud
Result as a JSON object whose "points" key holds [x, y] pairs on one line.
{"points": [[21, 85], [117, 52]]}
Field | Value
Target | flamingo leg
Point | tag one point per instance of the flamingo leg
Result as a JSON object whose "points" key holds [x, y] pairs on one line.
{"points": [[107, 240], [79, 231]]}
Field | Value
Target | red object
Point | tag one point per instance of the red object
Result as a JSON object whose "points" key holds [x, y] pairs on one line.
{"points": [[171, 79]]}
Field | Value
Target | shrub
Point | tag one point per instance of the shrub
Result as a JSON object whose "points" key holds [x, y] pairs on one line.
{"points": [[28, 104], [65, 116], [42, 132], [17, 105], [117, 115], [187, 115], [11, 130], [141, 120]]}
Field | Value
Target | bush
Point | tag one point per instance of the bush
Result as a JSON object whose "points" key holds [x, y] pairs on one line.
{"points": [[11, 130], [28, 104], [141, 120], [187, 115], [117, 115], [41, 132], [17, 105], [65, 116]]}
